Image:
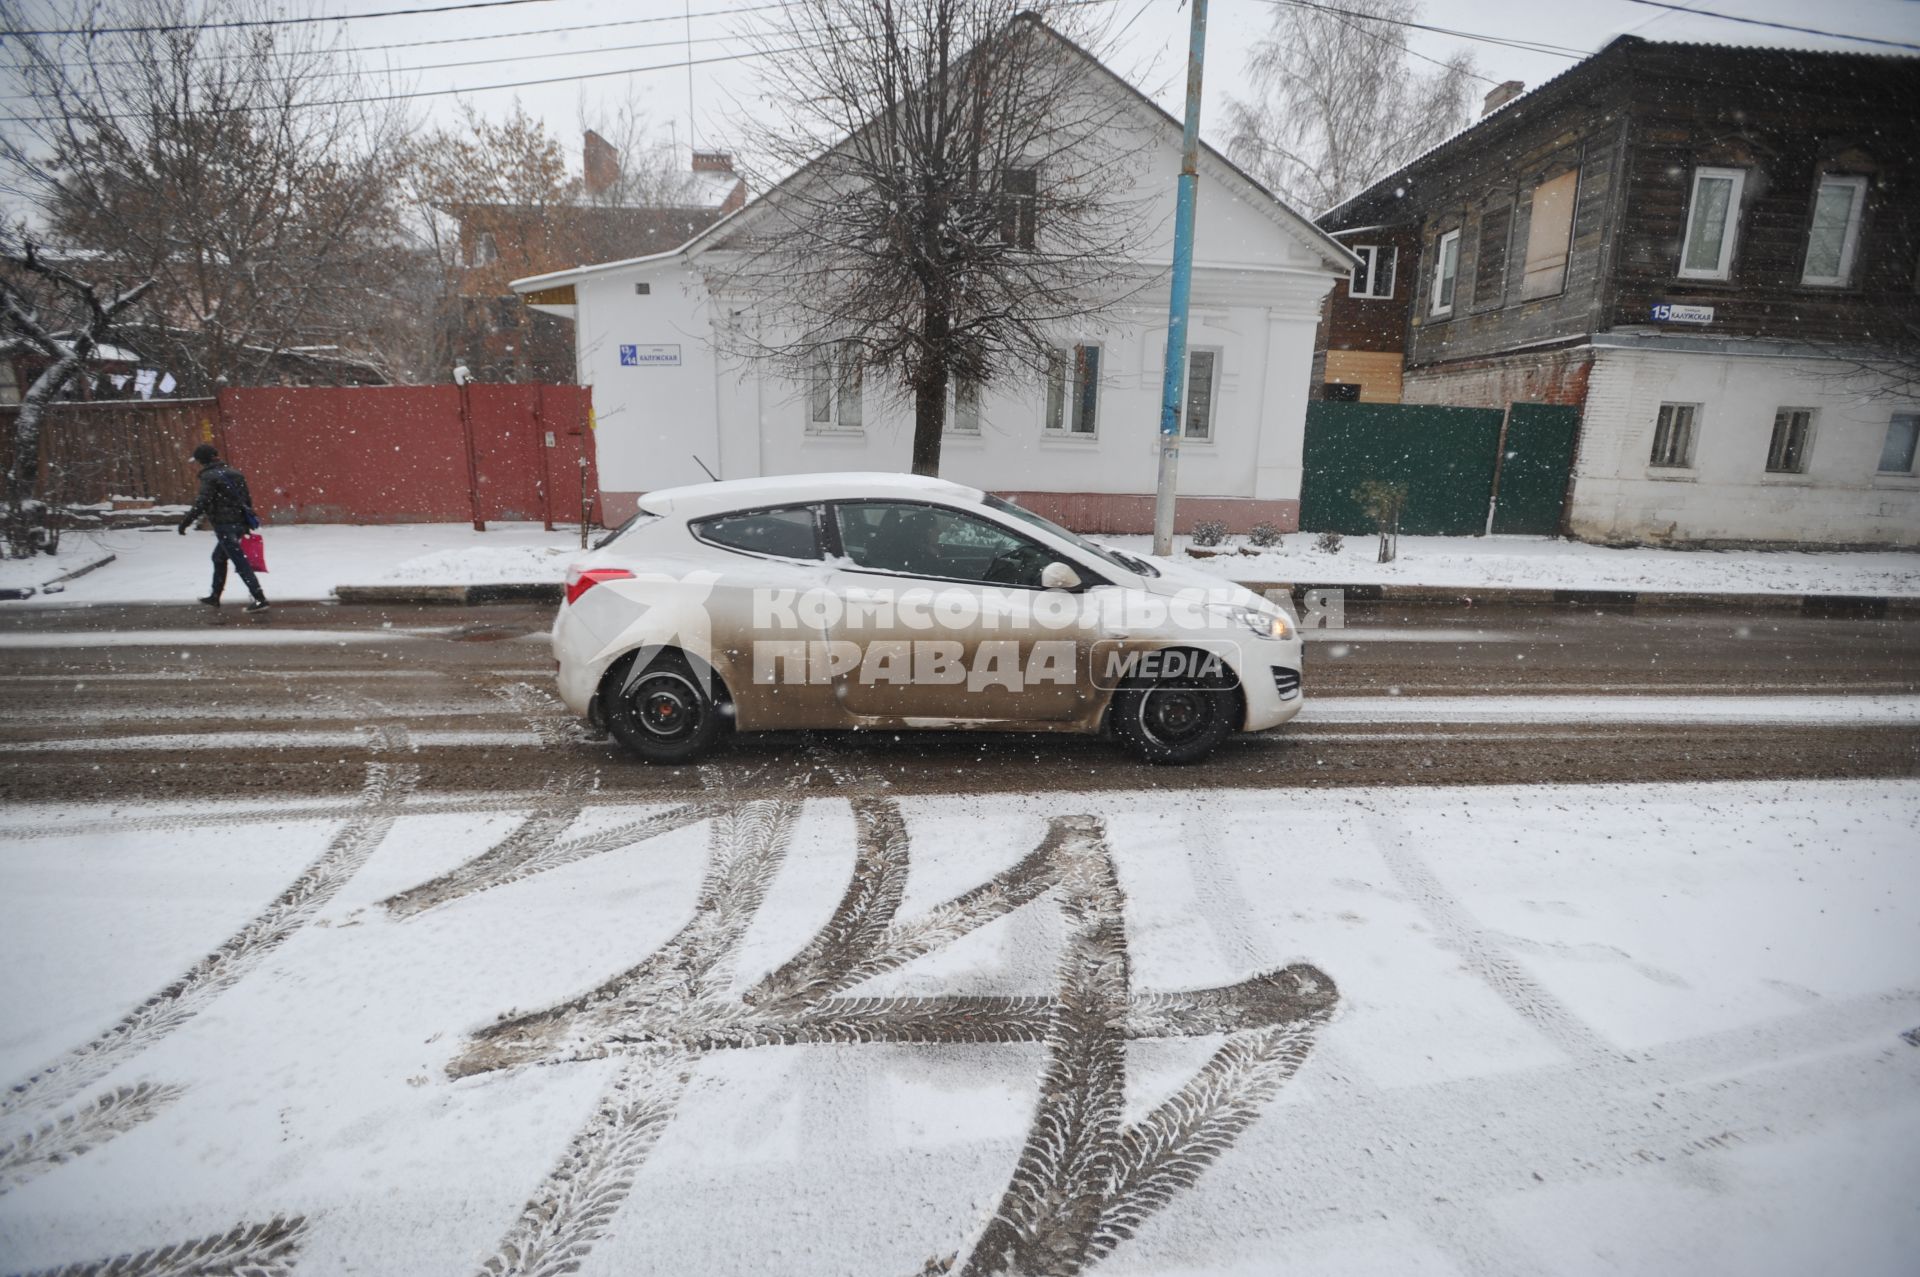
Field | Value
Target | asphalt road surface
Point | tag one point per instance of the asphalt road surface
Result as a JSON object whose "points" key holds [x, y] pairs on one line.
{"points": [[140, 704]]}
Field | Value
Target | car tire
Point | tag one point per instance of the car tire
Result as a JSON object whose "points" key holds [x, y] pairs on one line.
{"points": [[1175, 721], [666, 713]]}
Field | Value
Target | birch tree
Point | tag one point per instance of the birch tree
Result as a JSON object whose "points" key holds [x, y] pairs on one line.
{"points": [[1338, 101], [65, 334]]}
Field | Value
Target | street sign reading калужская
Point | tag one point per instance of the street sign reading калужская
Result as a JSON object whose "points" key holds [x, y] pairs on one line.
{"points": [[639, 356], [1671, 313]]}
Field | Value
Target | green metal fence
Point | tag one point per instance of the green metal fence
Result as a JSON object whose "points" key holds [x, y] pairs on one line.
{"points": [[1445, 457]]}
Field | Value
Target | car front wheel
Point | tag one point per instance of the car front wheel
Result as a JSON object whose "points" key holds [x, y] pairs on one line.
{"points": [[1175, 720], [663, 711]]}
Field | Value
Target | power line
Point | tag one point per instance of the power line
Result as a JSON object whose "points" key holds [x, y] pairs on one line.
{"points": [[470, 39], [518, 84], [453, 92], [1382, 40], [1777, 26], [1525, 46], [446, 66], [160, 28]]}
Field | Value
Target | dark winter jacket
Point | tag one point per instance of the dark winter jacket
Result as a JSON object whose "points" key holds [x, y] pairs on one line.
{"points": [[223, 497]]}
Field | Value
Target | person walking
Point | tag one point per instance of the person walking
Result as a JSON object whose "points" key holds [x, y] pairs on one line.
{"points": [[229, 508]]}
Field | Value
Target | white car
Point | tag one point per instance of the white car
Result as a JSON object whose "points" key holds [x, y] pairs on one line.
{"points": [[857, 601]]}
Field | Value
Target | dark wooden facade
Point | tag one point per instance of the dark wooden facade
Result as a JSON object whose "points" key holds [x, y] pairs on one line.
{"points": [[1634, 122]]}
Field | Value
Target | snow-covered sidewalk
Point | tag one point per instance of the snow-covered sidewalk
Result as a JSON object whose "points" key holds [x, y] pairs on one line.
{"points": [[307, 561], [1554, 1030], [1505, 562], [310, 562]]}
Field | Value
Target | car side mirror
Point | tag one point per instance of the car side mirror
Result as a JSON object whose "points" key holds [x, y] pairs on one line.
{"points": [[1058, 576]]}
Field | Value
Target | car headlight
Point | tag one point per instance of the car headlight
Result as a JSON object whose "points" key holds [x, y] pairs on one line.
{"points": [[1270, 623]]}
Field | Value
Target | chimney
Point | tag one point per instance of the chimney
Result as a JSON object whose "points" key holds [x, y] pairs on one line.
{"points": [[601, 163], [713, 162], [1501, 94]]}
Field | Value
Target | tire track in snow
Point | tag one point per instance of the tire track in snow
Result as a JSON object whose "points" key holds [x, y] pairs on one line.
{"points": [[109, 1115], [1085, 1180], [53, 1084], [1480, 949], [575, 1205], [248, 1250]]}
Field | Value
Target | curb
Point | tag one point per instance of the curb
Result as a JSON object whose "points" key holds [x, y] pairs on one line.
{"points": [[57, 584], [77, 573], [1833, 605], [454, 595], [1852, 605]]}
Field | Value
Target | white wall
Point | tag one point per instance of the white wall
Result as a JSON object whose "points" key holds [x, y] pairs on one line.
{"points": [[745, 420], [1256, 299], [1727, 495], [651, 420], [1264, 353]]}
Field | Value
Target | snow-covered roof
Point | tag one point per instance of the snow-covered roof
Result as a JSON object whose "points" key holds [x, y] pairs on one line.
{"points": [[733, 494]]}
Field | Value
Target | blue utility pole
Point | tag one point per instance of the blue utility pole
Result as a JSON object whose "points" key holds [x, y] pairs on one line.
{"points": [[1174, 382]]}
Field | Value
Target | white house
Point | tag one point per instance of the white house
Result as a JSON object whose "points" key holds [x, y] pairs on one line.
{"points": [[670, 405]]}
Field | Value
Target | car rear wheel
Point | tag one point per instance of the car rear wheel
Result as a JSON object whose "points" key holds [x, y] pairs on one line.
{"points": [[1176, 720], [663, 711]]}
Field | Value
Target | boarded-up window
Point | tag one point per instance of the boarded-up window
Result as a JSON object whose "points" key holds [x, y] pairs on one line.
{"points": [[1490, 266], [1549, 230]]}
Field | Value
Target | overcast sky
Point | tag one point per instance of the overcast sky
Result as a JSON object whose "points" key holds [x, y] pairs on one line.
{"points": [[1149, 49], [1151, 52]]}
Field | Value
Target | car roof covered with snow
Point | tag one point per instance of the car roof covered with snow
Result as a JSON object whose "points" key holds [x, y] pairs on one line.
{"points": [[736, 494]]}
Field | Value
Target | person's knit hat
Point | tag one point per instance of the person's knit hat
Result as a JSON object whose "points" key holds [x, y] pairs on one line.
{"points": [[205, 453]]}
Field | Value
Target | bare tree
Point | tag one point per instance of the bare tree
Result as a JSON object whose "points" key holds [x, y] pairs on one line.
{"points": [[489, 198], [1337, 102], [66, 338], [236, 166], [960, 182]]}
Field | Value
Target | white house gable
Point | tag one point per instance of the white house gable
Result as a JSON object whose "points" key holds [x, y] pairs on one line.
{"points": [[670, 407]]}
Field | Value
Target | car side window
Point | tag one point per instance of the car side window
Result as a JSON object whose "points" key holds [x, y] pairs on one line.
{"points": [[935, 542], [789, 533]]}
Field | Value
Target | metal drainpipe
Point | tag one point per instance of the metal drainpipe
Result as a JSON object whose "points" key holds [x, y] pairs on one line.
{"points": [[1174, 380]]}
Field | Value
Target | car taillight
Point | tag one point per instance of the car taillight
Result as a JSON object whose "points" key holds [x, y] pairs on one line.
{"points": [[579, 582]]}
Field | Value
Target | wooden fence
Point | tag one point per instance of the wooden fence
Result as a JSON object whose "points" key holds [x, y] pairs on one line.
{"points": [[127, 448], [330, 454]]}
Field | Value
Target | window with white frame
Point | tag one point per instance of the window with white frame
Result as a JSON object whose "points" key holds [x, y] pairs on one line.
{"points": [[1673, 436], [1373, 277], [1835, 232], [1713, 220], [1896, 454], [486, 250], [834, 387], [1792, 431], [1073, 390], [963, 415], [1203, 380], [1446, 272]]}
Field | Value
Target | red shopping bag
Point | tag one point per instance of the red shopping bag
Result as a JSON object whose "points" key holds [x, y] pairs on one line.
{"points": [[256, 551]]}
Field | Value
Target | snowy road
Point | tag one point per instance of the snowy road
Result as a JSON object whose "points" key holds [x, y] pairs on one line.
{"points": [[345, 951], [170, 703], [1411, 1030]]}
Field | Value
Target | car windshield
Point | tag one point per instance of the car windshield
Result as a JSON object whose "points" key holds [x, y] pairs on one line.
{"points": [[1126, 562]]}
